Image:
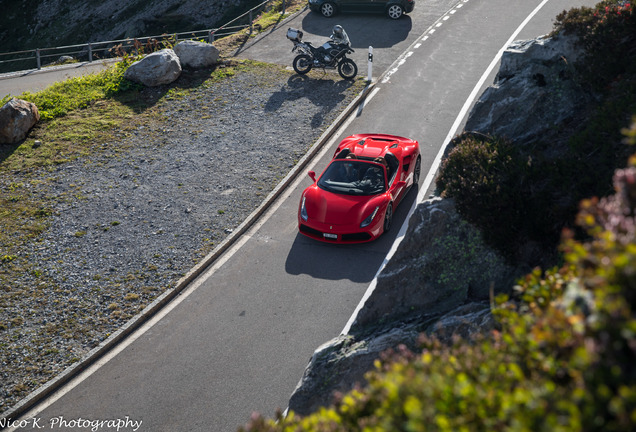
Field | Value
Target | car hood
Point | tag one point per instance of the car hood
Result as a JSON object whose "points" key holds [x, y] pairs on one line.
{"points": [[338, 209]]}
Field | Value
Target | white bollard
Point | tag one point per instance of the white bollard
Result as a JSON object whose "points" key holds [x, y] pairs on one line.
{"points": [[370, 71]]}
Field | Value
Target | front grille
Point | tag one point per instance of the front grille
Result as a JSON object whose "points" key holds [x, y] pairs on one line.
{"points": [[356, 237], [344, 238], [310, 231]]}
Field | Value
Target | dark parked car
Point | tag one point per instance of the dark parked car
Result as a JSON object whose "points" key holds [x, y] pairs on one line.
{"points": [[393, 8]]}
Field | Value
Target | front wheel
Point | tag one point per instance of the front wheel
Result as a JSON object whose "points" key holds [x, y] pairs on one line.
{"points": [[395, 11], [347, 69], [388, 218], [302, 64]]}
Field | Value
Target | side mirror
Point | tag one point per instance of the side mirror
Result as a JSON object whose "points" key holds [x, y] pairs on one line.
{"points": [[312, 175]]}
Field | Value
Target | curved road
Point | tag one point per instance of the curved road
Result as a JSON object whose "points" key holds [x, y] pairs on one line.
{"points": [[239, 338]]}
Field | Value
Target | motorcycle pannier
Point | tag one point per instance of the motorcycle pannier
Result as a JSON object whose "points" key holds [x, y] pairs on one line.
{"points": [[294, 34]]}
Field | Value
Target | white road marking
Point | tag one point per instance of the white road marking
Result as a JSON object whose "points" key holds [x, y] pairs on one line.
{"points": [[431, 174]]}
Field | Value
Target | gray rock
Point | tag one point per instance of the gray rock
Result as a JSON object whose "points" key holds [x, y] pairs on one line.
{"points": [[159, 68], [534, 91], [465, 321], [441, 264], [17, 117], [196, 54], [340, 365]]}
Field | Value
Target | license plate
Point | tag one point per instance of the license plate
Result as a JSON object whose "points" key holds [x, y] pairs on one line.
{"points": [[330, 236]]}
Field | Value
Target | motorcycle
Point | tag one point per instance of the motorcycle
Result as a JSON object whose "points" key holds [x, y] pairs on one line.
{"points": [[330, 55]]}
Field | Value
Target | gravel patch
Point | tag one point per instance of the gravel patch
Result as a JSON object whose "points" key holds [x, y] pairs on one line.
{"points": [[132, 218]]}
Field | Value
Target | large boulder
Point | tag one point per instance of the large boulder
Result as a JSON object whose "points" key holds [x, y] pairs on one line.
{"points": [[441, 264], [534, 91], [159, 68], [196, 54], [340, 365], [17, 117]]}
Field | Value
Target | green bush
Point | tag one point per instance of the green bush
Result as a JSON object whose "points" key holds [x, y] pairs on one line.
{"points": [[608, 34], [487, 176]]}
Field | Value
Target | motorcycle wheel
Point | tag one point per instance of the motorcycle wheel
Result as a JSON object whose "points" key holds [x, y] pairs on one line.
{"points": [[347, 69], [302, 64]]}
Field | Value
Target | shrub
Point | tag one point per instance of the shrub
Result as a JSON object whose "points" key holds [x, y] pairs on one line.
{"points": [[608, 34], [486, 177]]}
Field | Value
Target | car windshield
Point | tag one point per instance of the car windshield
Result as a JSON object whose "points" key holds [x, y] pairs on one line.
{"points": [[353, 177]]}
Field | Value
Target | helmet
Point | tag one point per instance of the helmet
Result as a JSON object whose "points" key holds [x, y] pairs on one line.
{"points": [[337, 30]]}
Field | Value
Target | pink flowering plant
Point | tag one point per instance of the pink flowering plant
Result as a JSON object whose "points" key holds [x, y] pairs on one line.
{"points": [[608, 34]]}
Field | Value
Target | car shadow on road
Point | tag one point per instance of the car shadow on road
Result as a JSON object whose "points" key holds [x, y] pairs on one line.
{"points": [[386, 32], [356, 262], [325, 93]]}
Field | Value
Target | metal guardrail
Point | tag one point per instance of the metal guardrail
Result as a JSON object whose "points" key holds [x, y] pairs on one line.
{"points": [[116, 48]]}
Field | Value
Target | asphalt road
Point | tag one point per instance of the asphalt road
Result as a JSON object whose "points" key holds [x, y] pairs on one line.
{"points": [[35, 80], [239, 339]]}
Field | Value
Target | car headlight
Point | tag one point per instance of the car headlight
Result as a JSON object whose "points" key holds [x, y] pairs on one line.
{"points": [[303, 210], [369, 219]]}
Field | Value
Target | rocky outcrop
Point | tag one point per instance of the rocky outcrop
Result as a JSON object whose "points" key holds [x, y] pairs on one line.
{"points": [[195, 54], [441, 263], [340, 365], [159, 68], [534, 91], [112, 20], [17, 117], [439, 281]]}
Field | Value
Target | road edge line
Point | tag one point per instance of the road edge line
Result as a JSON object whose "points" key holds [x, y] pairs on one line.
{"points": [[50, 387], [438, 159]]}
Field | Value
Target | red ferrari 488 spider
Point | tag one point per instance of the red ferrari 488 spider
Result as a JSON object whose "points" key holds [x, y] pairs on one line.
{"points": [[354, 198]]}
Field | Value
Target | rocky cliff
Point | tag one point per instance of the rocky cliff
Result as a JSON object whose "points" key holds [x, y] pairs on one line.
{"points": [[28, 24], [442, 276]]}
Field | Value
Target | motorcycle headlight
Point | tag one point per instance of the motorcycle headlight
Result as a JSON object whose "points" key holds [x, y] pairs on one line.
{"points": [[365, 223], [303, 211]]}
